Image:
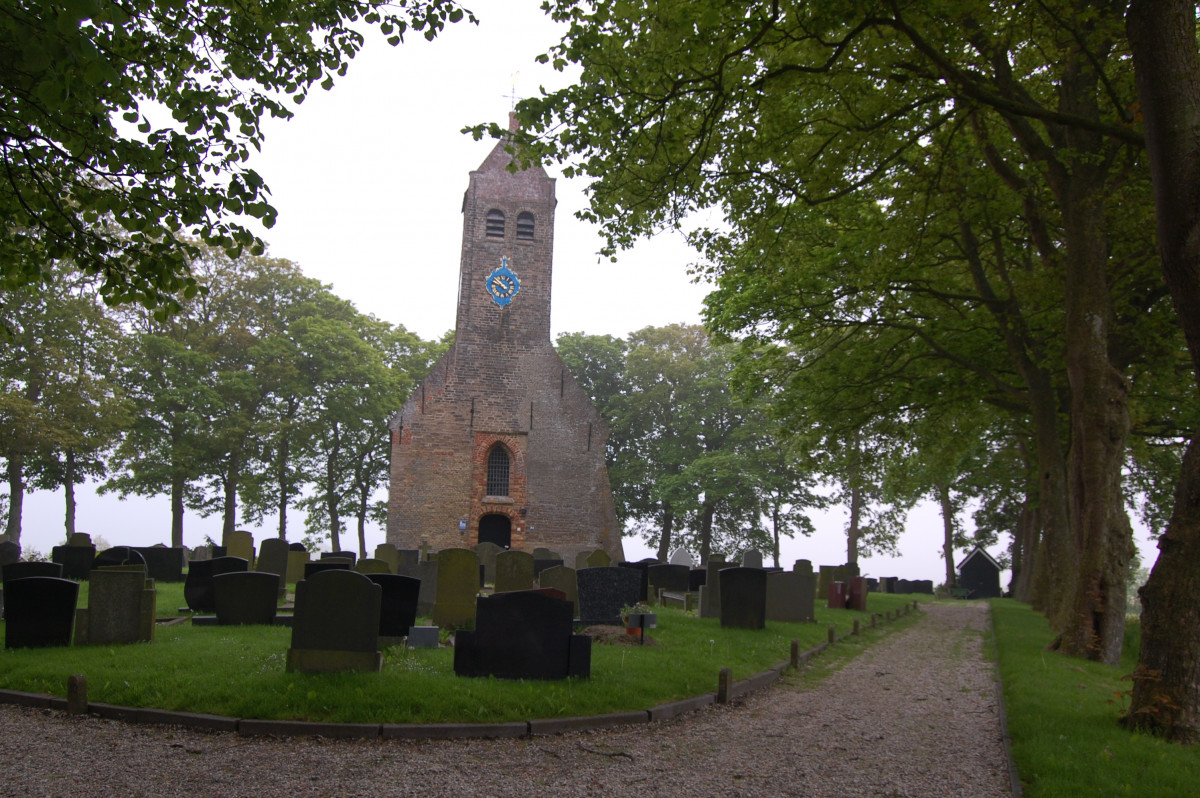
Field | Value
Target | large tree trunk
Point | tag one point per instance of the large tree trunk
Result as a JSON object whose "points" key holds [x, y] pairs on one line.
{"points": [[854, 532], [664, 539], [229, 505], [69, 492], [178, 482], [943, 495], [1166, 682], [708, 511], [16, 496], [1025, 544], [775, 533], [281, 471]]}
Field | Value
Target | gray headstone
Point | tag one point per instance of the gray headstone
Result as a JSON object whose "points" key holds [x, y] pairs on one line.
{"points": [[240, 544], [295, 565], [604, 591], [514, 571], [599, 559], [486, 552], [273, 557], [710, 596], [803, 567], [121, 608], [581, 560], [390, 555], [543, 553], [371, 566], [790, 597], [682, 556], [752, 558], [457, 587], [336, 623], [564, 579]]}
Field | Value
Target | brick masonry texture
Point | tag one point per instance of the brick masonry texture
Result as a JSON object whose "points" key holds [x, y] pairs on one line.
{"points": [[502, 383]]}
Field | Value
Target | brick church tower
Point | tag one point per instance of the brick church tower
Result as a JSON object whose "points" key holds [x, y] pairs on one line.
{"points": [[500, 443]]}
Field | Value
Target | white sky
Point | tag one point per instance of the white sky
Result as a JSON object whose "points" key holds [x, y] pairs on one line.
{"points": [[368, 181]]}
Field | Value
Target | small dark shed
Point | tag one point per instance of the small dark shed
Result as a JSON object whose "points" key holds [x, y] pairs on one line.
{"points": [[980, 574]]}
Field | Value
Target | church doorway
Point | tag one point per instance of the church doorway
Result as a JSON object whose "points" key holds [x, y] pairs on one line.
{"points": [[496, 529]]}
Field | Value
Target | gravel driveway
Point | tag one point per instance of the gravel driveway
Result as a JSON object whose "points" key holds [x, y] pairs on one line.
{"points": [[915, 715]]}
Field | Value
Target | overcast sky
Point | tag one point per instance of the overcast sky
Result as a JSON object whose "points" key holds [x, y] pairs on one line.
{"points": [[368, 180]]}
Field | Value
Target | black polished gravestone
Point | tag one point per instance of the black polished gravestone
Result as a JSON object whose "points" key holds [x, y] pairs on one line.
{"points": [[522, 635], [198, 587], [697, 578], [118, 555], [246, 598], [39, 612], [163, 563], [76, 561], [641, 568], [604, 591], [336, 623], [317, 566], [23, 570], [743, 598], [675, 578], [397, 605]]}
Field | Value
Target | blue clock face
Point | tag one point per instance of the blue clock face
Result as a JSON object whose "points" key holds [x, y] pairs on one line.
{"points": [[503, 284]]}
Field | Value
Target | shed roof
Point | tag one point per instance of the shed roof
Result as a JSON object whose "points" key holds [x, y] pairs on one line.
{"points": [[978, 551]]}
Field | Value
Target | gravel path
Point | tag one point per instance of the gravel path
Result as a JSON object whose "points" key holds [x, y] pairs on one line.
{"points": [[915, 715]]}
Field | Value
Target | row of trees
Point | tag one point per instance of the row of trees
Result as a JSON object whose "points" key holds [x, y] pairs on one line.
{"points": [[263, 392], [937, 238]]}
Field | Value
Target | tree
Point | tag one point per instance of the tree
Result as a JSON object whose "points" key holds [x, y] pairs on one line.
{"points": [[144, 113], [774, 108], [1166, 682], [59, 406]]}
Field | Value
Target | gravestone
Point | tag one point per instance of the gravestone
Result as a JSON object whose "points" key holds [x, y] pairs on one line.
{"points": [[339, 555], [163, 563], [369, 565], [24, 570], [336, 624], [80, 539], [522, 635], [240, 543], [682, 556], [675, 578], [581, 560], [604, 591], [752, 558], [76, 560], [541, 565], [118, 555], [390, 555], [825, 577], [426, 573], [246, 598], [397, 606], [330, 564], [198, 587], [39, 612], [514, 571], [199, 553], [599, 559], [839, 596], [791, 597], [743, 598], [457, 587], [641, 568], [121, 608], [857, 600], [697, 578], [710, 596], [9, 552], [543, 553], [409, 558], [564, 579], [295, 564], [273, 557], [487, 552]]}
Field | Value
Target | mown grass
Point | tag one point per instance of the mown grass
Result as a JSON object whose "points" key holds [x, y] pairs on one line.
{"points": [[1063, 718], [239, 671]]}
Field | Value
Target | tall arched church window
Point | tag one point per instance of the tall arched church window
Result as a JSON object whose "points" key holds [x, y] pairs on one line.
{"points": [[525, 226], [495, 223], [497, 471]]}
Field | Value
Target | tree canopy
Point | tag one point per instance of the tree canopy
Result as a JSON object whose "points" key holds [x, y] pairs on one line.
{"points": [[125, 127]]}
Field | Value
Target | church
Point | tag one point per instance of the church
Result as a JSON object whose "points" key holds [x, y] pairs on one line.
{"points": [[499, 443]]}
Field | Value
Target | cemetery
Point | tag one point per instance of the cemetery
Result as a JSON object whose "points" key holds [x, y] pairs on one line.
{"points": [[238, 638]]}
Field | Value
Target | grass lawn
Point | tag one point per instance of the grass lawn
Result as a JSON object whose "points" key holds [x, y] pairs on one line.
{"points": [[239, 671], [1062, 716]]}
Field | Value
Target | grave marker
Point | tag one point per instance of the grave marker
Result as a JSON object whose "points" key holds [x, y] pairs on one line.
{"points": [[336, 624]]}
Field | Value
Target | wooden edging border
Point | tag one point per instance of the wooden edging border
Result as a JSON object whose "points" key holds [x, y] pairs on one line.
{"points": [[253, 727]]}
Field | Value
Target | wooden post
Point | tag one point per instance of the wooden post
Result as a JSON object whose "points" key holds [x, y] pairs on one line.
{"points": [[77, 700], [832, 635], [855, 626], [724, 685], [795, 654]]}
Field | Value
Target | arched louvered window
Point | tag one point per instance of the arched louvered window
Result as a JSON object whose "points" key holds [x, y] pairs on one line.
{"points": [[525, 226], [497, 471], [495, 223]]}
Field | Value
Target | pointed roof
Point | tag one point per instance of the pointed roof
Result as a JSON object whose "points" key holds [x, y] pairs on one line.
{"points": [[975, 552]]}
